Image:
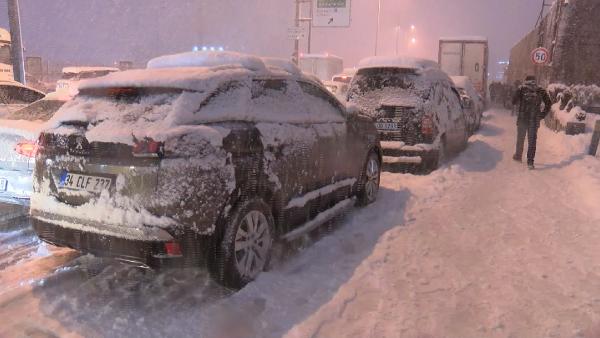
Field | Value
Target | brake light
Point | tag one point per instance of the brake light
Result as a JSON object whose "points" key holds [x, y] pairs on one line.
{"points": [[427, 125], [147, 148], [27, 148], [173, 249]]}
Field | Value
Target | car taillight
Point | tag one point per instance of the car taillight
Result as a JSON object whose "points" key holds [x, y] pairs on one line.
{"points": [[27, 148], [427, 125], [147, 148], [173, 249]]}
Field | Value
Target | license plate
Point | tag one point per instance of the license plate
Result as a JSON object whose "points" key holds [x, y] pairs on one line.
{"points": [[84, 182], [3, 184], [386, 125]]}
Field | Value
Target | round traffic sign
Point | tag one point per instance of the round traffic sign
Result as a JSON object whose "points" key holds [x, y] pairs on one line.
{"points": [[540, 56]]}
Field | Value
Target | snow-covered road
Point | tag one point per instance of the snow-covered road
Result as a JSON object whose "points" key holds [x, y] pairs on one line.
{"points": [[480, 248]]}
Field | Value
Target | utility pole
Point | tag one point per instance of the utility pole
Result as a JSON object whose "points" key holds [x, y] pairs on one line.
{"points": [[298, 21], [378, 22], [14, 21], [296, 56]]}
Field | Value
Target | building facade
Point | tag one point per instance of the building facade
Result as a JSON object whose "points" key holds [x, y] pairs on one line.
{"points": [[571, 32]]}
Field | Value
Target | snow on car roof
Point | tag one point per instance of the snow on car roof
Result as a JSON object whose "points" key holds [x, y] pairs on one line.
{"points": [[397, 62], [283, 64], [77, 70], [197, 71], [19, 84], [208, 59], [465, 38], [185, 78]]}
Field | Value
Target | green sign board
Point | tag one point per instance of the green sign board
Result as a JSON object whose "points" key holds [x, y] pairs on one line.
{"points": [[331, 3]]}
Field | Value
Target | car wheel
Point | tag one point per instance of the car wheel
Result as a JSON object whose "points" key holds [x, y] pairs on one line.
{"points": [[369, 180], [245, 250], [441, 154]]}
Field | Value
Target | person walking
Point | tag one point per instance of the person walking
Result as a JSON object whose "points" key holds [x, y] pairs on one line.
{"points": [[528, 99], [513, 89]]}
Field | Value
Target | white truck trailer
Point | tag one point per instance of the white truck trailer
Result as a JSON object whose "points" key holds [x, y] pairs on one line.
{"points": [[466, 56], [323, 66]]}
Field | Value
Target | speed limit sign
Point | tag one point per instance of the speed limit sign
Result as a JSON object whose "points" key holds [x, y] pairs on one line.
{"points": [[540, 56]]}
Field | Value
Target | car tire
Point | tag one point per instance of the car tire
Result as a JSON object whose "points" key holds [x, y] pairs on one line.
{"points": [[441, 154], [369, 180], [245, 249]]}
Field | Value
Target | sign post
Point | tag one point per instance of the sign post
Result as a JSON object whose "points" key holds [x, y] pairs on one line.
{"points": [[331, 13], [296, 33], [595, 139]]}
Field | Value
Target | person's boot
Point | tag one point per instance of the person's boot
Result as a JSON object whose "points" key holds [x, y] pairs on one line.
{"points": [[517, 158], [530, 166]]}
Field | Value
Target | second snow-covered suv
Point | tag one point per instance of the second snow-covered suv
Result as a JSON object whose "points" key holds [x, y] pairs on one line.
{"points": [[415, 107], [204, 155]]}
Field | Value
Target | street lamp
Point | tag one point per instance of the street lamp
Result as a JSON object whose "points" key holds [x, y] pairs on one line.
{"points": [[397, 38], [378, 21]]}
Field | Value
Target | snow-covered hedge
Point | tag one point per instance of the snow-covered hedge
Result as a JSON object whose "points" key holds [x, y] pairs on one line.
{"points": [[571, 102]]}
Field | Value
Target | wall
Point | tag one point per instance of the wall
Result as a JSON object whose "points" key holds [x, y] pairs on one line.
{"points": [[571, 32]]}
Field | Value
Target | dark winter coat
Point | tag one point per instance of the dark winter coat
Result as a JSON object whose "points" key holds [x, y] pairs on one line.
{"points": [[529, 99]]}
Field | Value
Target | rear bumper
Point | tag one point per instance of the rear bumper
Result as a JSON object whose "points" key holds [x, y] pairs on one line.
{"points": [[19, 186], [398, 154], [143, 252]]}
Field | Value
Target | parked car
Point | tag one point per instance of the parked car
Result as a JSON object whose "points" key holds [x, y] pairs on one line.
{"points": [[473, 103], [19, 131], [345, 76], [202, 157], [340, 83], [415, 107], [14, 96]]}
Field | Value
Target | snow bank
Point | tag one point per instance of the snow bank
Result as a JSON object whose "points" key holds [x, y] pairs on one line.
{"points": [[208, 59], [397, 62], [576, 114]]}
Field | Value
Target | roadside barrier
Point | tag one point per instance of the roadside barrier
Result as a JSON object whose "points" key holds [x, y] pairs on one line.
{"points": [[595, 139]]}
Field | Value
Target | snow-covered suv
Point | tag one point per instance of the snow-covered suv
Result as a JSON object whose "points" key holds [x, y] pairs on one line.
{"points": [[203, 155], [416, 110]]}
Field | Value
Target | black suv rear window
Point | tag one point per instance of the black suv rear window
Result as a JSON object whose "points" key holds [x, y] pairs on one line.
{"points": [[371, 79]]}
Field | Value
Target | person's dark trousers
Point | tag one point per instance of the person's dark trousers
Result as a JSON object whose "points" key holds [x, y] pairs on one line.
{"points": [[530, 130]]}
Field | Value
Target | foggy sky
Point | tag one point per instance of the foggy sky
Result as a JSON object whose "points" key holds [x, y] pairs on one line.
{"points": [[104, 31]]}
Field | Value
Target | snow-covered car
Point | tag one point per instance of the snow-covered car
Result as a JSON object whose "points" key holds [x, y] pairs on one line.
{"points": [[473, 103], [415, 107], [340, 83], [19, 131], [345, 77], [202, 155], [14, 96]]}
